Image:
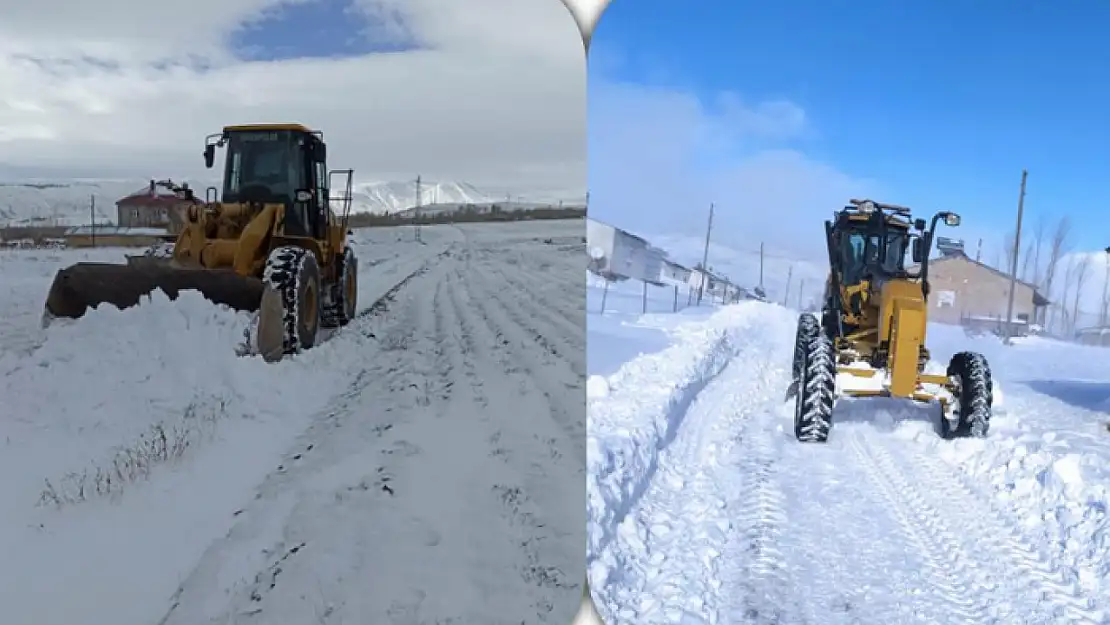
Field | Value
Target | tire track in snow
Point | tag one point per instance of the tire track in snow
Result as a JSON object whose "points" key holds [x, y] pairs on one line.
{"points": [[1041, 576], [972, 560], [441, 481]]}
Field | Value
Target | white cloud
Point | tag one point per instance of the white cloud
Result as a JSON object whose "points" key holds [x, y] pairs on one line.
{"points": [[659, 156], [494, 94]]}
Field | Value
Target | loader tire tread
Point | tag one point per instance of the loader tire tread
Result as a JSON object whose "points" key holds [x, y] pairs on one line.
{"points": [[813, 409], [290, 271], [975, 396], [341, 310]]}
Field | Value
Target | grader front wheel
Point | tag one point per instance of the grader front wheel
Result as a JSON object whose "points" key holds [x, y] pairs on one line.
{"points": [[974, 395], [816, 394]]}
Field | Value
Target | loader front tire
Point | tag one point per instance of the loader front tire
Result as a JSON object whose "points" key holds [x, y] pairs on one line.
{"points": [[295, 275], [974, 393], [813, 404], [344, 293]]}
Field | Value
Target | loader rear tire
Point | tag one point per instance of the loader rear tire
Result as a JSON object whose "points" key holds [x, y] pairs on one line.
{"points": [[344, 293], [974, 391], [294, 273], [808, 327], [813, 405]]}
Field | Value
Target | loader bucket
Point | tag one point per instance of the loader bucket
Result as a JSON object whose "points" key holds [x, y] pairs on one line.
{"points": [[86, 285]]}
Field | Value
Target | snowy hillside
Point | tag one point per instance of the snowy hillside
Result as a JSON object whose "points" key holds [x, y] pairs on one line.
{"points": [[705, 510], [68, 202]]}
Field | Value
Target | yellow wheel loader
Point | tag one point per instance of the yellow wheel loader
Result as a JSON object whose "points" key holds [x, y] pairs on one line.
{"points": [[272, 244], [872, 327]]}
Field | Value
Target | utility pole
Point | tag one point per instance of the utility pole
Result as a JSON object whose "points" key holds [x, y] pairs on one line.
{"points": [[416, 212], [92, 218], [761, 265], [786, 291], [705, 256], [801, 292], [1105, 288], [1014, 261], [979, 250]]}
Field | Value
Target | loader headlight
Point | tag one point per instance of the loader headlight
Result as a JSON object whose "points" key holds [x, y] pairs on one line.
{"points": [[191, 213], [951, 220], [867, 207]]}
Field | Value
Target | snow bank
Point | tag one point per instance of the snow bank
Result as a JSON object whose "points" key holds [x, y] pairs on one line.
{"points": [[1044, 463], [636, 411], [130, 438]]}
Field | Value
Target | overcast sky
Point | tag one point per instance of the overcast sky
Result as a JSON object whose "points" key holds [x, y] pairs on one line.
{"points": [[490, 92]]}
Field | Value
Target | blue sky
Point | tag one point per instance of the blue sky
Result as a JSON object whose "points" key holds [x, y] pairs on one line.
{"points": [[315, 29], [935, 104]]}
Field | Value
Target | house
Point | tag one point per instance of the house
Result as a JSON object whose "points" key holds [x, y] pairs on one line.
{"points": [[674, 274], [970, 293], [619, 255], [153, 206]]}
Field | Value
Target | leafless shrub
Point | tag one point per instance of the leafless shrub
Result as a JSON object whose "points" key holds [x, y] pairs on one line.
{"points": [[159, 445]]}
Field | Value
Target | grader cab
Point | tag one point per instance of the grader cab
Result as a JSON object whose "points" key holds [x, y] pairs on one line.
{"points": [[872, 327]]}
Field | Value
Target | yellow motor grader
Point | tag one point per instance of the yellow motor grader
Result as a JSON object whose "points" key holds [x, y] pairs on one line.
{"points": [[272, 244], [872, 327]]}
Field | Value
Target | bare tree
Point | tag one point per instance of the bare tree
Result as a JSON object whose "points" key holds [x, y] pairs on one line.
{"points": [[1038, 240], [1008, 252], [1058, 246], [1028, 256], [1084, 264]]}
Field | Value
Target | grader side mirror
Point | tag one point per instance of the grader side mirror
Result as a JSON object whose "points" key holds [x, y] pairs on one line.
{"points": [[209, 155], [919, 224], [918, 251], [951, 220]]}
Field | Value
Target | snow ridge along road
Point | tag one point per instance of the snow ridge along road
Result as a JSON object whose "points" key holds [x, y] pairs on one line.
{"points": [[424, 465], [704, 509]]}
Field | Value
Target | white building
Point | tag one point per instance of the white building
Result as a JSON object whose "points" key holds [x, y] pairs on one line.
{"points": [[673, 273], [619, 255]]}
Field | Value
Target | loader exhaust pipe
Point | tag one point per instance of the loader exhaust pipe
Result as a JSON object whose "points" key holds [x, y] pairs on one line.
{"points": [[80, 287]]}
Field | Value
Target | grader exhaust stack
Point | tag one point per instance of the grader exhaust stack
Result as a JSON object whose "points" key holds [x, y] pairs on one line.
{"points": [[272, 245], [873, 326]]}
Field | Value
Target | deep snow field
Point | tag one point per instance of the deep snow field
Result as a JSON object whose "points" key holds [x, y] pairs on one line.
{"points": [[424, 465], [704, 509]]}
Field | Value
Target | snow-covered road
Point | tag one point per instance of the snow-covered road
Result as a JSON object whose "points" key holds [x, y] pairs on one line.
{"points": [[704, 509], [424, 465]]}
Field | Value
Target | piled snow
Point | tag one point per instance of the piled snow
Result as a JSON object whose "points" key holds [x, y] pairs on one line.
{"points": [[703, 509], [84, 418]]}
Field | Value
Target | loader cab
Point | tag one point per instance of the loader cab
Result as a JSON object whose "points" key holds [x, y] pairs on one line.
{"points": [[277, 164]]}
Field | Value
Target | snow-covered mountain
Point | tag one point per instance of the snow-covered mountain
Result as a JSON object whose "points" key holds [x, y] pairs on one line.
{"points": [[68, 202]]}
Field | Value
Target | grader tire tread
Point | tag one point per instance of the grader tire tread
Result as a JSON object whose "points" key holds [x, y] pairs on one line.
{"points": [[808, 327], [287, 271], [816, 396], [976, 395]]}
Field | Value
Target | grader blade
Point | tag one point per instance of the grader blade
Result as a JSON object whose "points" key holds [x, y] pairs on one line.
{"points": [[86, 285]]}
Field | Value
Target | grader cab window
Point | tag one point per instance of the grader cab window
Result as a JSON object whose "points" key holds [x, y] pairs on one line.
{"points": [[262, 166], [862, 253]]}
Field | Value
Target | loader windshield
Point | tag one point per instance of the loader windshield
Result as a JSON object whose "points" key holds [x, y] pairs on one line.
{"points": [[262, 166]]}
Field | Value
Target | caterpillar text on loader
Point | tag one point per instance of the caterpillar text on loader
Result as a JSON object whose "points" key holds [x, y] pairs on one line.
{"points": [[271, 244], [872, 326]]}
